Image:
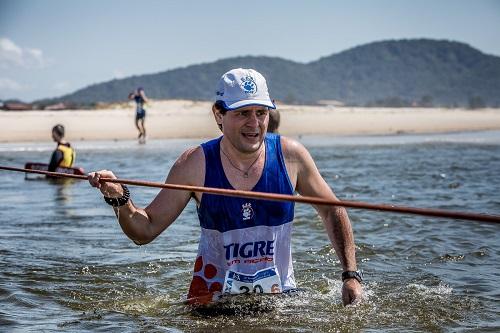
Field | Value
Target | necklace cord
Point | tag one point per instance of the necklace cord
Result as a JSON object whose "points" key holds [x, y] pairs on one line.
{"points": [[245, 173]]}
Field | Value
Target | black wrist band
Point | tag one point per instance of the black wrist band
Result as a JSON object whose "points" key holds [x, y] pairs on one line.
{"points": [[118, 202], [358, 275]]}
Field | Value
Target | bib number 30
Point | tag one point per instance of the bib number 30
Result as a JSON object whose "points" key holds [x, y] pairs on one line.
{"points": [[266, 281]]}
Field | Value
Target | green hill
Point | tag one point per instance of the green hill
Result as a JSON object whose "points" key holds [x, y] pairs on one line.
{"points": [[418, 71]]}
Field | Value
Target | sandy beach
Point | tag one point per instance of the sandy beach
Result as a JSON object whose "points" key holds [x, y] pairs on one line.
{"points": [[191, 119]]}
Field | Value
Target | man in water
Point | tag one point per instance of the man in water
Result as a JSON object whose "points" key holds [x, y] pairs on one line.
{"points": [[274, 121], [64, 155], [140, 112], [245, 244]]}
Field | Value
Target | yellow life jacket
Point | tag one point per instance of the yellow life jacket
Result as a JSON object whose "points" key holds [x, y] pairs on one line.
{"points": [[69, 156]]}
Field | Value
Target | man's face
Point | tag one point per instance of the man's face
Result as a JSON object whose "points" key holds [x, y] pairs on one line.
{"points": [[55, 136], [246, 127]]}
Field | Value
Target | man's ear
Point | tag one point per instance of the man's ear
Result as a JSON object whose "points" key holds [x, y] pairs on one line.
{"points": [[217, 115]]}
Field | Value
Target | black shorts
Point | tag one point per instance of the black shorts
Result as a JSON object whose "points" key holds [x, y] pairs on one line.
{"points": [[140, 114]]}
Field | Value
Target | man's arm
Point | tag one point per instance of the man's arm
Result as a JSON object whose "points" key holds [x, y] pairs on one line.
{"points": [[309, 182], [144, 225], [143, 95], [56, 158]]}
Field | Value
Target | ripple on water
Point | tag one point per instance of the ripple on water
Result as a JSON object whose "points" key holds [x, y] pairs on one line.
{"points": [[65, 264]]}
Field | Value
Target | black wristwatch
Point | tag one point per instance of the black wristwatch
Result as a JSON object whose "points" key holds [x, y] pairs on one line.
{"points": [[358, 275]]}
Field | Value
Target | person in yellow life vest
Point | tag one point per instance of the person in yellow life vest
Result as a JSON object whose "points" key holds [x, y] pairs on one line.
{"points": [[64, 155]]}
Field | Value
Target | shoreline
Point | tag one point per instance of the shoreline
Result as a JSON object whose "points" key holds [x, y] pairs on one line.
{"points": [[471, 137], [184, 119]]}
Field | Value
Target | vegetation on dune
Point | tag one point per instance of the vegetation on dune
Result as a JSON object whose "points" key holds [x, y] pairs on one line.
{"points": [[399, 73]]}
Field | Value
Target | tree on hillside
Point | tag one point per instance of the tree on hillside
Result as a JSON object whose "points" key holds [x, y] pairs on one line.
{"points": [[425, 101], [476, 102]]}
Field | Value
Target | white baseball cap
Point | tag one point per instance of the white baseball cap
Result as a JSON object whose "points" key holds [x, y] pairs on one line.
{"points": [[243, 87]]}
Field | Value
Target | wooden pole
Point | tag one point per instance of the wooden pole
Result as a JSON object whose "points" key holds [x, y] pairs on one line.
{"points": [[283, 197]]}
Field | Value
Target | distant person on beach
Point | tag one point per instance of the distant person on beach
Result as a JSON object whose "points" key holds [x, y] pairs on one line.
{"points": [[245, 244], [140, 112], [64, 155], [274, 121]]}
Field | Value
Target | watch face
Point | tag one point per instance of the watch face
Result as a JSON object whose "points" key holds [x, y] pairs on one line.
{"points": [[358, 275]]}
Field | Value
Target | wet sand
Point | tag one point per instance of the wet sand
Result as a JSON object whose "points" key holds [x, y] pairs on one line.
{"points": [[191, 119]]}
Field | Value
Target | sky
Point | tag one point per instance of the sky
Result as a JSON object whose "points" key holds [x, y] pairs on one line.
{"points": [[49, 48]]}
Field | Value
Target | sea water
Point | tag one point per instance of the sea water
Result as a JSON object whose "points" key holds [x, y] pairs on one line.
{"points": [[66, 265]]}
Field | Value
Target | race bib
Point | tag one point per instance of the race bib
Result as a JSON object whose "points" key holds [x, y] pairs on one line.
{"points": [[265, 281]]}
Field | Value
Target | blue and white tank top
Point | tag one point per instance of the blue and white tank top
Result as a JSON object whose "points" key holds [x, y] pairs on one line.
{"points": [[139, 101], [244, 242]]}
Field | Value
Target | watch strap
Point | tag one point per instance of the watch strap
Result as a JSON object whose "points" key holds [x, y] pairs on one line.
{"points": [[358, 275]]}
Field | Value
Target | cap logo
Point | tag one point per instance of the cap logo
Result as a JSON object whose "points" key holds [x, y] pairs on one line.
{"points": [[248, 85]]}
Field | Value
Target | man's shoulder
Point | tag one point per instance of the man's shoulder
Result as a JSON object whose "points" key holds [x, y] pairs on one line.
{"points": [[291, 147], [190, 167], [192, 157]]}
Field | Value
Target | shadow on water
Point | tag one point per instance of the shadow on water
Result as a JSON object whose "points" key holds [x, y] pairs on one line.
{"points": [[148, 293], [425, 305]]}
